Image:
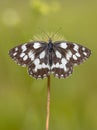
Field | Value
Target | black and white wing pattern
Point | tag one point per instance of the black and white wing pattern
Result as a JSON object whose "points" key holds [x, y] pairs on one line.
{"points": [[34, 56], [65, 56], [25, 54], [61, 68], [43, 58], [40, 67]]}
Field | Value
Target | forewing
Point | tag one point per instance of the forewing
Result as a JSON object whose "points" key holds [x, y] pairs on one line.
{"points": [[26, 53], [74, 53], [65, 56]]}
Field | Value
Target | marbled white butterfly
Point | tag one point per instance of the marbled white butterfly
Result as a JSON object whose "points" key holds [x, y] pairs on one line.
{"points": [[43, 58]]}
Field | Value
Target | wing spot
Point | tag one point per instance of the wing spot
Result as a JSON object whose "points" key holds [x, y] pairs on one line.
{"points": [[25, 57], [56, 75], [22, 55], [39, 76], [77, 54], [62, 75], [64, 62], [37, 65], [16, 49], [14, 54], [36, 61], [63, 45], [31, 55], [68, 55], [36, 45], [85, 53], [57, 65], [42, 55], [69, 72], [45, 66], [83, 48], [58, 54], [23, 47], [76, 47], [44, 75], [74, 57]]}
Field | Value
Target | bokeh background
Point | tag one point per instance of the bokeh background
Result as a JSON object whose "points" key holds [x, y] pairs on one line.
{"points": [[22, 98]]}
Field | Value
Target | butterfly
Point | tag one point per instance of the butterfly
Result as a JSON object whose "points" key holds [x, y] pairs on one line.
{"points": [[43, 58]]}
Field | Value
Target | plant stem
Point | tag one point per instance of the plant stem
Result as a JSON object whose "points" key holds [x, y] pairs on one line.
{"points": [[48, 103]]}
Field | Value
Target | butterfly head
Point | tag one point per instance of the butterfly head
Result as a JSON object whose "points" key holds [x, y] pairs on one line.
{"points": [[50, 45]]}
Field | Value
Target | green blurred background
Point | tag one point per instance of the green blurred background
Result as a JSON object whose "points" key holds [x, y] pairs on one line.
{"points": [[22, 98]]}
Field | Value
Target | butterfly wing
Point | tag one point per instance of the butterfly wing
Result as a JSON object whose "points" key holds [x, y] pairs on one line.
{"points": [[61, 67], [74, 53], [25, 54], [34, 56], [65, 56], [40, 67]]}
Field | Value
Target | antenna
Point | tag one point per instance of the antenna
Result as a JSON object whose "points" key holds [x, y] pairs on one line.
{"points": [[44, 32], [47, 33], [56, 32]]}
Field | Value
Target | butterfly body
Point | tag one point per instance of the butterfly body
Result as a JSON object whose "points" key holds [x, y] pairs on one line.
{"points": [[50, 50], [50, 46], [43, 58]]}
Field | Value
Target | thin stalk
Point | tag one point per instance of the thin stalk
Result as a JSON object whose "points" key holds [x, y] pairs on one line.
{"points": [[48, 103]]}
